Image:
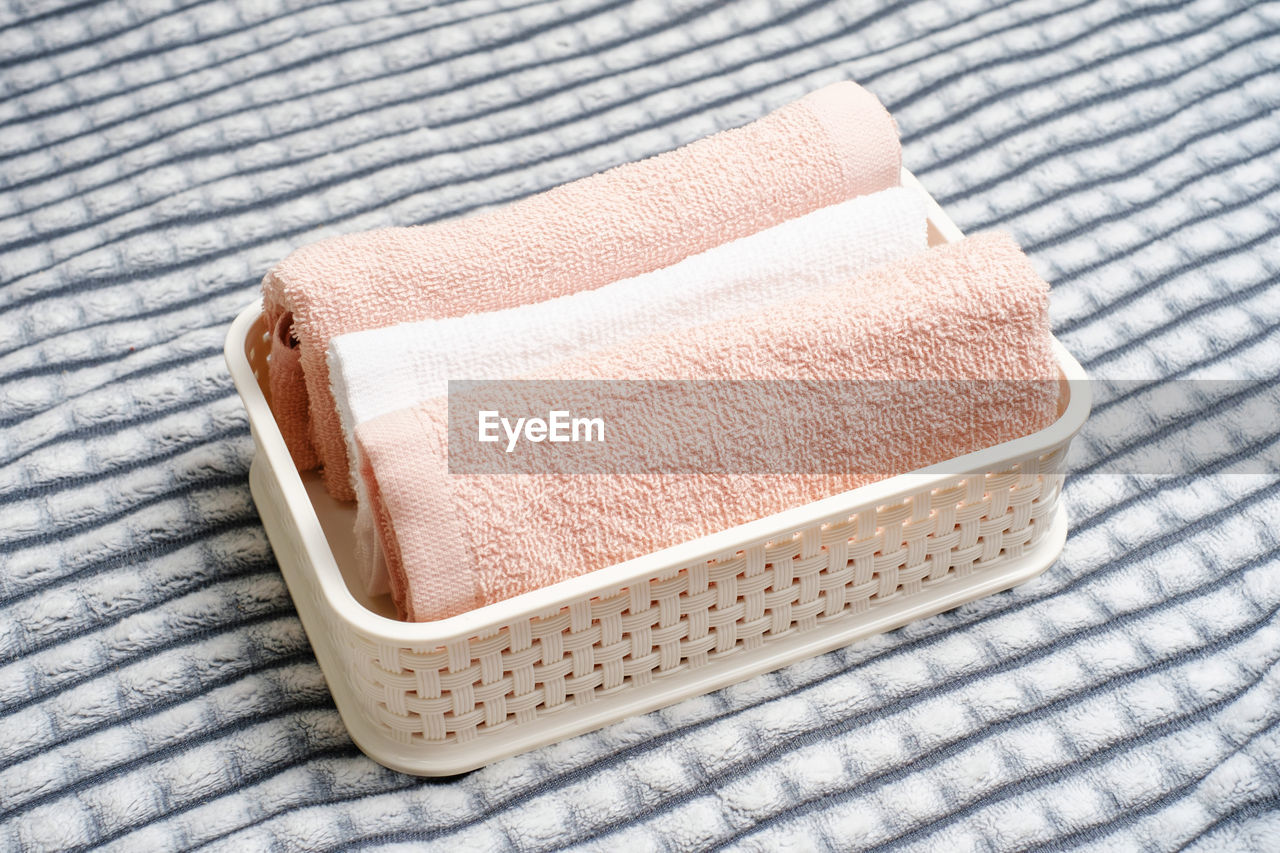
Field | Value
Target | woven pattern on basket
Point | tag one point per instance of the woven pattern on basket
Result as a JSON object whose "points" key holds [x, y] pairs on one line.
{"points": [[693, 615]]}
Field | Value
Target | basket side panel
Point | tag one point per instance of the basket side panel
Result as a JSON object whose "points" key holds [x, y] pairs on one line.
{"points": [[689, 617]]}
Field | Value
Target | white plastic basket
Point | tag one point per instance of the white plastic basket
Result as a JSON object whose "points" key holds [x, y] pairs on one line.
{"points": [[445, 697]]}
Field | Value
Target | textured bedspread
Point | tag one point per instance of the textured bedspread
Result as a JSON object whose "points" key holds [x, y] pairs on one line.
{"points": [[156, 689]]}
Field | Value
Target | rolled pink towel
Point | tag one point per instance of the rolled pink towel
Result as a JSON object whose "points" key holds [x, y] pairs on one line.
{"points": [[832, 144], [973, 310]]}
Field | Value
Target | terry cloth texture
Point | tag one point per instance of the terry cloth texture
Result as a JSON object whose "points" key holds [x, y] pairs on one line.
{"points": [[832, 144], [379, 370], [156, 690], [975, 310]]}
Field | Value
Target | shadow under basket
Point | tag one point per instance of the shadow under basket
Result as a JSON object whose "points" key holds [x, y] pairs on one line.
{"points": [[438, 698]]}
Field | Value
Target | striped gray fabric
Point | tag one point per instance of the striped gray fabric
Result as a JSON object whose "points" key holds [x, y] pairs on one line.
{"points": [[156, 689]]}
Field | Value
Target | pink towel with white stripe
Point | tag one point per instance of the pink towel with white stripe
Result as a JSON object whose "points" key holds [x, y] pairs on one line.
{"points": [[832, 144]]}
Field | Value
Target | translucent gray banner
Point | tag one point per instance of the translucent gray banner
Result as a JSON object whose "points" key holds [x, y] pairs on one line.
{"points": [[854, 428]]}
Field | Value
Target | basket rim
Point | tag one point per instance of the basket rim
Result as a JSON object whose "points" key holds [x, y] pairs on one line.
{"points": [[327, 578]]}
